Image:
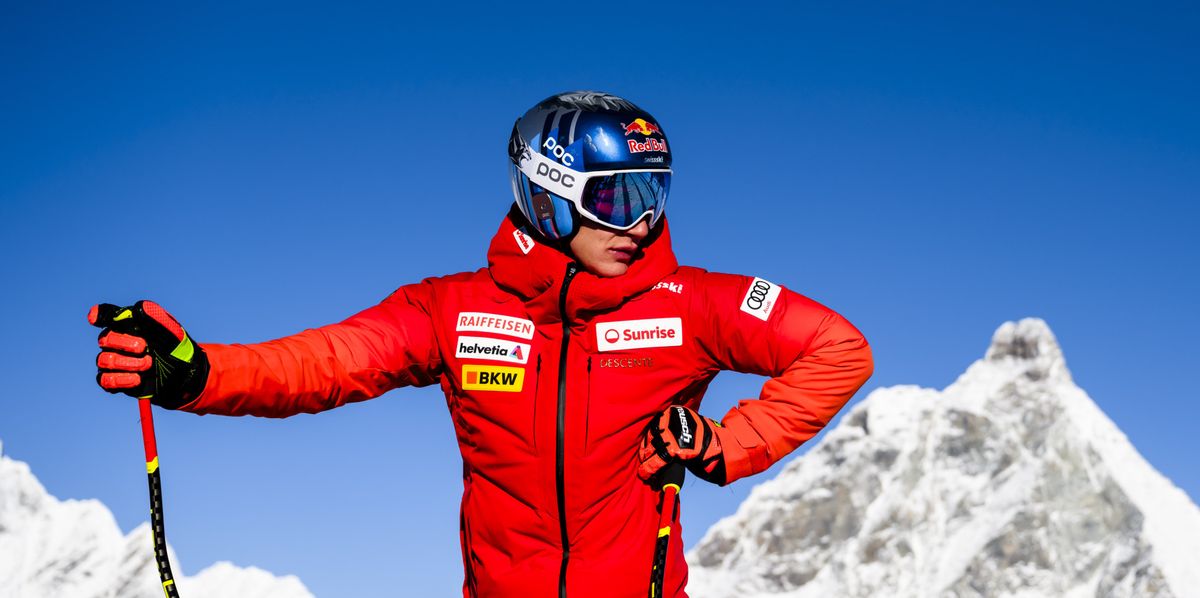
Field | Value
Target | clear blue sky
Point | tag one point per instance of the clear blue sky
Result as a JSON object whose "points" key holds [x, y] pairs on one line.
{"points": [[928, 170]]}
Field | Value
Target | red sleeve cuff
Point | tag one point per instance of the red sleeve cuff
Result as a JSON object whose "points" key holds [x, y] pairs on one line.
{"points": [[744, 450]]}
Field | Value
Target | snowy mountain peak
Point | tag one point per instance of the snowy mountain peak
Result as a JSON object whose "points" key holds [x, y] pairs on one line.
{"points": [[1009, 482], [52, 548], [1029, 343]]}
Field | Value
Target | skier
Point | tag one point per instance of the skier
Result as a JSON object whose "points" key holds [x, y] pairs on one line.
{"points": [[573, 365]]}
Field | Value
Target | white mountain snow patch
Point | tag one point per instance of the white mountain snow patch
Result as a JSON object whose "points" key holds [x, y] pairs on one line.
{"points": [[1009, 482], [52, 548]]}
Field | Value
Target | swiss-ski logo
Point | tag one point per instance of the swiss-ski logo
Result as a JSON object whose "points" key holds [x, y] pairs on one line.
{"points": [[475, 347], [638, 334], [760, 299], [674, 287], [524, 241], [497, 378], [471, 321]]}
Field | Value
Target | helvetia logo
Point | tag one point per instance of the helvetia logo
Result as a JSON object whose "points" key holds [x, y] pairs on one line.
{"points": [[475, 347], [639, 334], [498, 378]]}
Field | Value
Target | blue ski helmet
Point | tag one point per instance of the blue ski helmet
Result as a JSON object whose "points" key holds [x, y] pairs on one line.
{"points": [[588, 154]]}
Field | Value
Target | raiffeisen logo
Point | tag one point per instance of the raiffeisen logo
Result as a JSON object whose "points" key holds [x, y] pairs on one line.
{"points": [[476, 347], [639, 334], [471, 321]]}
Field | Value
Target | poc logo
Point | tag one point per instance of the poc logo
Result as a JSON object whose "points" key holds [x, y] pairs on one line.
{"points": [[559, 151], [555, 175], [760, 298]]}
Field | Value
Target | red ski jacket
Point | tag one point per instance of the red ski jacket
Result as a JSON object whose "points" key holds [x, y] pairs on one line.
{"points": [[551, 375]]}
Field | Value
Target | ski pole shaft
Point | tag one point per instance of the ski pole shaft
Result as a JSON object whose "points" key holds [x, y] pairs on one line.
{"points": [[672, 482], [156, 505]]}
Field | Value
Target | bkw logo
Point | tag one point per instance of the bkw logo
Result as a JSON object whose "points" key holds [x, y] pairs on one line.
{"points": [[492, 377]]}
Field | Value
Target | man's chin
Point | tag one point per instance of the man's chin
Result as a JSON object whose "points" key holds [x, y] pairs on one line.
{"points": [[611, 269]]}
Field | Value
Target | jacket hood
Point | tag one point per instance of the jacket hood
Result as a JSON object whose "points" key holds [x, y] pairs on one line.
{"points": [[534, 271]]}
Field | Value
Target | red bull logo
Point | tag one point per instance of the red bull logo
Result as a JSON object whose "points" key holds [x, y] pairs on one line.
{"points": [[649, 145], [641, 127]]}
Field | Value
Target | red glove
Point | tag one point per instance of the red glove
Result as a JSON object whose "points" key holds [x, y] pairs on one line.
{"points": [[683, 435], [146, 354]]}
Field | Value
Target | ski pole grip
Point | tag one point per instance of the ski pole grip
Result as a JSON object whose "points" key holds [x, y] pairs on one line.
{"points": [[673, 475]]}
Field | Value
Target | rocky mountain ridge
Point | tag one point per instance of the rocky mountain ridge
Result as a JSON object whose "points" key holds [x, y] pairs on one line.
{"points": [[1009, 482]]}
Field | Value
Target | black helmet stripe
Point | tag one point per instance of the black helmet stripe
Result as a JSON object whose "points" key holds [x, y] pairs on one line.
{"points": [[547, 126], [574, 121]]}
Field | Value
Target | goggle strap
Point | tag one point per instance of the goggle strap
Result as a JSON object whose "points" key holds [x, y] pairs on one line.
{"points": [[552, 176]]}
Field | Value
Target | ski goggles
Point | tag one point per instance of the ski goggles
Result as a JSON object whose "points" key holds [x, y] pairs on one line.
{"points": [[618, 199]]}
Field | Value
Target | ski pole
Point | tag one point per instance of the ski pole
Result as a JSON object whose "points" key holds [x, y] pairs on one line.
{"points": [[673, 475], [156, 506]]}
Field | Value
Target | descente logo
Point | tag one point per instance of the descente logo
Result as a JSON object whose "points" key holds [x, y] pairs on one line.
{"points": [[638, 334]]}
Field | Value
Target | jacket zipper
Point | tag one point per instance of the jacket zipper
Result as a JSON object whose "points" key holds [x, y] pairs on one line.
{"points": [[587, 405], [562, 417]]}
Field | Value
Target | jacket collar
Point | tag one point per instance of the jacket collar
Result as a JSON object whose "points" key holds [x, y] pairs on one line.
{"points": [[534, 271]]}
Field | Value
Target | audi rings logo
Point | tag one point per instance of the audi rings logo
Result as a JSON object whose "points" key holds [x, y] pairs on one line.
{"points": [[611, 335], [758, 293], [760, 299]]}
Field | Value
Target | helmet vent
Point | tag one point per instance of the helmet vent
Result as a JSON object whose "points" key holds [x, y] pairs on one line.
{"points": [[589, 101]]}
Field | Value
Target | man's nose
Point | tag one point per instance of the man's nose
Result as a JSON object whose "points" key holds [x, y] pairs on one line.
{"points": [[640, 231]]}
